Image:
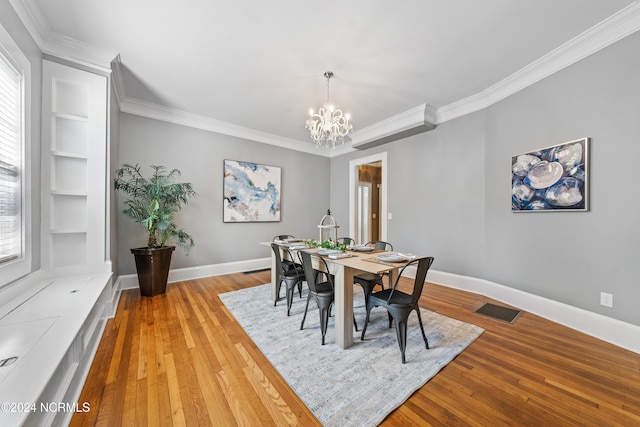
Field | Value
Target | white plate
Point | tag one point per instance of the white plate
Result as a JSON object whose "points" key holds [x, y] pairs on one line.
{"points": [[298, 246], [362, 248], [339, 256], [328, 251], [396, 257]]}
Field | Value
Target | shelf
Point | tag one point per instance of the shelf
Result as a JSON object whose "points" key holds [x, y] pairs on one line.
{"points": [[70, 134], [69, 175], [67, 154], [68, 231], [73, 117], [68, 193], [70, 99]]}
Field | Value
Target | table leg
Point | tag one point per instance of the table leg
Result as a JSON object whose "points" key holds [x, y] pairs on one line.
{"points": [[344, 306], [393, 275], [274, 277]]}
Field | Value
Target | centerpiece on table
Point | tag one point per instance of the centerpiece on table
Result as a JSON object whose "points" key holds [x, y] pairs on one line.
{"points": [[326, 244]]}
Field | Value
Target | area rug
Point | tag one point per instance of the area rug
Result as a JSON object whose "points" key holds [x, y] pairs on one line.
{"points": [[358, 386]]}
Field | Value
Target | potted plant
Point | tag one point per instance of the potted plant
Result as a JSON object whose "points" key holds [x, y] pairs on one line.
{"points": [[153, 203]]}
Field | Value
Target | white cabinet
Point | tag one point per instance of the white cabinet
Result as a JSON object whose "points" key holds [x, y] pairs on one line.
{"points": [[74, 169]]}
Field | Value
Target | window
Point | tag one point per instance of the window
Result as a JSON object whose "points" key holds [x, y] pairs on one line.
{"points": [[15, 233], [10, 162]]}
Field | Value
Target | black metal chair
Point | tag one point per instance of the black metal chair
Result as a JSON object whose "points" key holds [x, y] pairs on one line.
{"points": [[346, 240], [380, 245], [291, 276], [399, 304], [322, 292], [288, 264], [368, 281]]}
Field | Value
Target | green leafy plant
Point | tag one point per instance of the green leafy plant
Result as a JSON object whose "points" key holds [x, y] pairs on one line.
{"points": [[154, 201], [327, 244]]}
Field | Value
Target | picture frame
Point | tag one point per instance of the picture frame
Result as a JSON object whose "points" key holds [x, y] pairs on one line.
{"points": [[251, 192], [552, 179]]}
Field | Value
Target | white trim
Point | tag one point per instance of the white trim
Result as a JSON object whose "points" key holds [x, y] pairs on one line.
{"points": [[172, 115], [22, 266], [616, 27], [117, 80], [404, 121], [130, 281], [608, 329], [353, 183], [614, 331], [59, 45]]}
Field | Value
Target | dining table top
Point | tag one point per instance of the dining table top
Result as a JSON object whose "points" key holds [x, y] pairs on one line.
{"points": [[360, 260]]}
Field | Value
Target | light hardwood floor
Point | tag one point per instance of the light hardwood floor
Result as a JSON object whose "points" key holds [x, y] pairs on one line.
{"points": [[180, 359]]}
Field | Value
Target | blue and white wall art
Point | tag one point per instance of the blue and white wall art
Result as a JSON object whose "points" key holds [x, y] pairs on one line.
{"points": [[251, 192], [551, 179]]}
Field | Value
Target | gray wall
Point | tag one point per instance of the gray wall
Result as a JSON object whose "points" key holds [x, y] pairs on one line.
{"points": [[199, 155], [572, 257], [12, 23], [449, 189]]}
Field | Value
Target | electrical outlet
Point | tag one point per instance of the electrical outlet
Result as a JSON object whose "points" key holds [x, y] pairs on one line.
{"points": [[606, 299]]}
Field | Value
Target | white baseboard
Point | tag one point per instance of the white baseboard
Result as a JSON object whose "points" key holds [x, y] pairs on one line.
{"points": [[611, 330], [597, 325], [130, 281]]}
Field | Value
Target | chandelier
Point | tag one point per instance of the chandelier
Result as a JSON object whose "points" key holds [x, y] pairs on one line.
{"points": [[328, 125]]}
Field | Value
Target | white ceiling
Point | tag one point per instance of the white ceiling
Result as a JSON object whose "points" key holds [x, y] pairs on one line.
{"points": [[259, 65]]}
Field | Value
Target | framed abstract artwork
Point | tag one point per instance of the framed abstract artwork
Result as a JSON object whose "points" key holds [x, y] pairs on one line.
{"points": [[555, 178], [251, 192]]}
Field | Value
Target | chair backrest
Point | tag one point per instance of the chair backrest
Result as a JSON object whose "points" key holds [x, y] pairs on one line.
{"points": [[276, 251], [380, 245], [346, 240], [421, 273], [309, 273], [282, 237]]}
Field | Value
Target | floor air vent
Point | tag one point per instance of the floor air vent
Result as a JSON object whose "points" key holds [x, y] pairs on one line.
{"points": [[505, 314]]}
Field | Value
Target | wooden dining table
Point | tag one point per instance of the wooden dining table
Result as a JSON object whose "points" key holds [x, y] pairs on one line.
{"points": [[343, 270]]}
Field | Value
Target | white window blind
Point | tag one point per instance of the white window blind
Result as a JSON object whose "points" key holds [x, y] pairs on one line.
{"points": [[10, 162]]}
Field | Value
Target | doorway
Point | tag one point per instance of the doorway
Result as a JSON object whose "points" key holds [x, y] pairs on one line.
{"points": [[365, 216], [368, 198]]}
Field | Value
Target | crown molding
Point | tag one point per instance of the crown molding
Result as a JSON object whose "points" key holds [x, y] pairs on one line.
{"points": [[172, 115], [616, 27], [416, 120], [117, 80], [59, 45]]}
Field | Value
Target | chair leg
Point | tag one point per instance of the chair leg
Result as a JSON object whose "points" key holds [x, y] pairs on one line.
{"points": [[278, 286], [426, 342], [305, 311], [289, 299], [366, 322], [324, 321], [401, 332]]}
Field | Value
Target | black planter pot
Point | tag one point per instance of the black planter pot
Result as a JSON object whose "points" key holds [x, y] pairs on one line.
{"points": [[152, 265]]}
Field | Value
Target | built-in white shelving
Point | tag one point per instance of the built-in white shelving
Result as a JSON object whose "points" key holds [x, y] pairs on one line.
{"points": [[74, 167]]}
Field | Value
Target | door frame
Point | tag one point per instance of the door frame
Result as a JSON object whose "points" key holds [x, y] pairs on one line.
{"points": [[353, 187]]}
